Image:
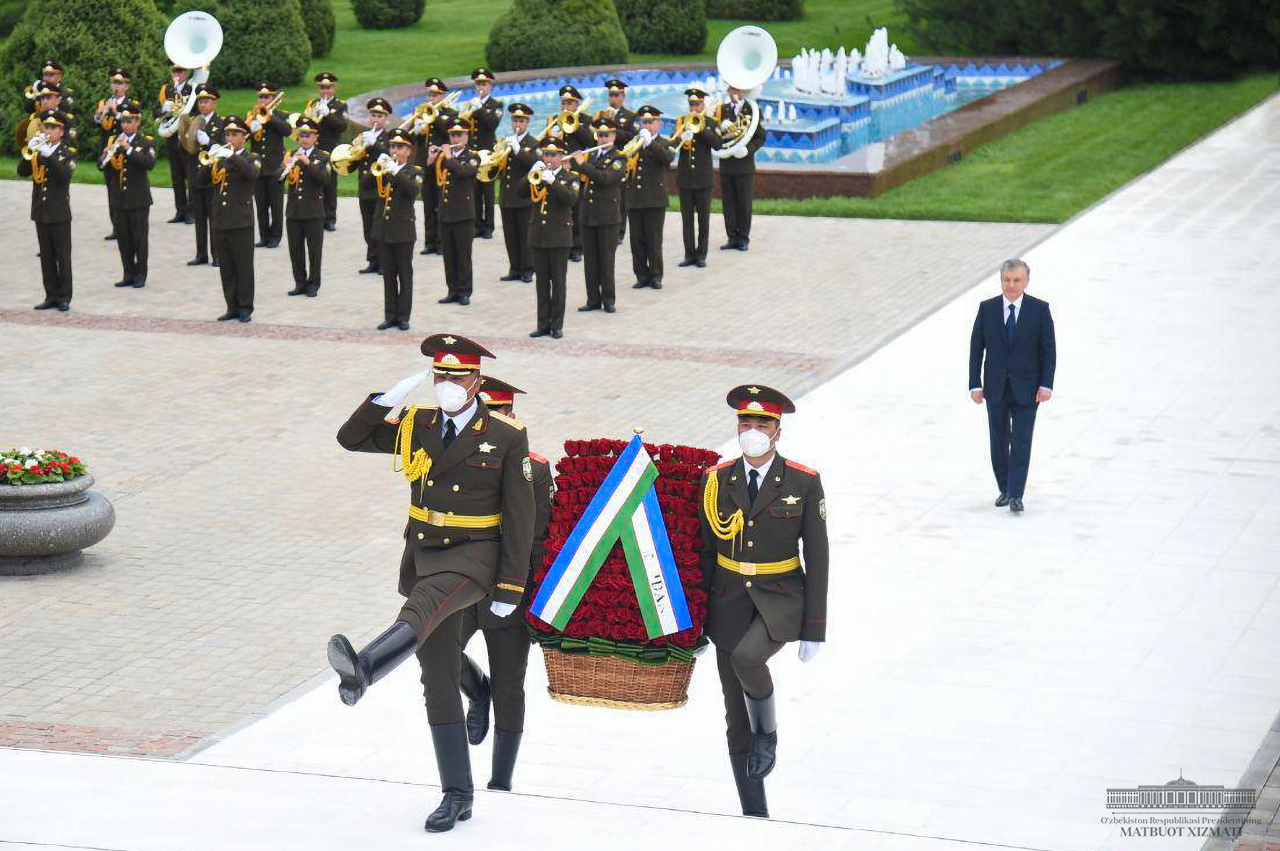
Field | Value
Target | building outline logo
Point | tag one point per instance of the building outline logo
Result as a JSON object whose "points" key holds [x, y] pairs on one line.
{"points": [[1180, 794]]}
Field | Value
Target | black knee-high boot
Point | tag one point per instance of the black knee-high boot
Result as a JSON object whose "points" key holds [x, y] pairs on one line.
{"points": [[750, 792], [506, 745], [358, 671], [454, 762], [764, 742], [475, 685]]}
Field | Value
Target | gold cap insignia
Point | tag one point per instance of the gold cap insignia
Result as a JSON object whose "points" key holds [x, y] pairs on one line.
{"points": [[450, 359], [448, 341]]}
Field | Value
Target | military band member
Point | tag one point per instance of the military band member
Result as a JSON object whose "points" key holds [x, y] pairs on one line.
{"points": [[53, 96], [759, 511], [126, 161], [554, 191], [506, 638], [428, 135], [628, 126], [269, 128], [394, 228], [177, 90], [578, 139], [233, 171], [50, 170], [647, 197], [694, 177], [602, 172], [331, 111], [453, 169], [737, 173], [374, 142], [51, 74], [514, 194], [486, 115], [105, 118], [201, 193], [470, 531], [306, 173]]}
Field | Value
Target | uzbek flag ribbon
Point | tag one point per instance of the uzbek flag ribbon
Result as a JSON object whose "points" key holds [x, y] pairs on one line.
{"points": [[625, 508]]}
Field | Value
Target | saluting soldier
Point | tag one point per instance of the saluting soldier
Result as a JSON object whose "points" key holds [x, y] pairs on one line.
{"points": [[628, 127], [331, 111], [486, 115], [514, 198], [761, 593], [738, 172], [202, 192], [602, 173], [554, 191], [694, 177], [233, 171], [428, 135], [51, 74], [126, 163], [470, 530], [269, 129], [394, 227], [506, 638], [306, 175], [375, 143], [50, 171], [647, 196], [177, 89], [453, 169], [105, 119]]}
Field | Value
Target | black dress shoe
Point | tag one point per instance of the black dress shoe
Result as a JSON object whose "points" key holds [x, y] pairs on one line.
{"points": [[125, 283], [214, 263], [64, 306], [199, 261], [262, 243], [109, 236], [47, 304], [742, 246], [176, 220], [312, 291], [575, 256], [541, 332], [688, 261], [639, 285], [487, 235], [449, 299], [188, 221], [729, 246], [609, 308], [527, 277], [228, 315], [430, 249], [587, 307], [297, 291], [403, 326], [371, 269], [1002, 500], [464, 300], [330, 227], [656, 283], [510, 276], [556, 333], [139, 283], [244, 316], [1015, 505], [385, 324], [700, 263], [273, 243]]}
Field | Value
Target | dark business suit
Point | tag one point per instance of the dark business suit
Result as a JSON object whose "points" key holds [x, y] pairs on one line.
{"points": [[1018, 361]]}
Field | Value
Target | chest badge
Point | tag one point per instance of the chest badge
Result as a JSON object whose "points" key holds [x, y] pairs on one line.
{"points": [[486, 447], [791, 500]]}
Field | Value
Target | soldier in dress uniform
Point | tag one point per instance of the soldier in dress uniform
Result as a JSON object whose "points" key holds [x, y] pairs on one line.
{"points": [[233, 171], [628, 126], [375, 142], [53, 96], [514, 198], [126, 162], [394, 227], [269, 130], [578, 140], [178, 88], [759, 511], [647, 196], [602, 173], [737, 173], [306, 176], [105, 119], [486, 115], [429, 134], [554, 191], [331, 111], [202, 193], [693, 179], [50, 172], [453, 170], [470, 531], [51, 75], [506, 638]]}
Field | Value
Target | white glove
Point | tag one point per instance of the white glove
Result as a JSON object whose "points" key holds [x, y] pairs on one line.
{"points": [[368, 137], [202, 137], [502, 609], [255, 125], [386, 160], [686, 136], [646, 135], [37, 141], [47, 148], [539, 166], [393, 397], [394, 167], [513, 142], [809, 649], [224, 152], [418, 126], [726, 124], [321, 110], [167, 108], [740, 153], [475, 102]]}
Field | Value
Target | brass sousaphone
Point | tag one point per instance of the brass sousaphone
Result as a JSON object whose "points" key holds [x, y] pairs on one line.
{"points": [[745, 59], [192, 40]]}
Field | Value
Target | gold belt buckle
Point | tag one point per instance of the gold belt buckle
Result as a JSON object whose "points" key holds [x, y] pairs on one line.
{"points": [[747, 568], [435, 518]]}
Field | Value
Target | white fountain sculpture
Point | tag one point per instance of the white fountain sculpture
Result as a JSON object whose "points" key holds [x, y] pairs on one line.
{"points": [[896, 60], [791, 114], [876, 63], [768, 113]]}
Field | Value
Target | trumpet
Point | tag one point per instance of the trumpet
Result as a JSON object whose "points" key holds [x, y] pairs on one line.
{"points": [[262, 113], [429, 112], [30, 91], [112, 148], [287, 164], [30, 150], [210, 155], [569, 122], [378, 169], [633, 147], [309, 111], [493, 162]]}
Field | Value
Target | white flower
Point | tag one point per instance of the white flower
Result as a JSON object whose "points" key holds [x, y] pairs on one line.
{"points": [[22, 450], [31, 462]]}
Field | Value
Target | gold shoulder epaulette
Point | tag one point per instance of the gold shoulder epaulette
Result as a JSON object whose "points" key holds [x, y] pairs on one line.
{"points": [[71, 150], [511, 421]]}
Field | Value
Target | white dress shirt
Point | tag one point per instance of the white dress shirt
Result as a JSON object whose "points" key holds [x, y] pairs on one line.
{"points": [[1016, 304], [761, 471], [461, 419]]}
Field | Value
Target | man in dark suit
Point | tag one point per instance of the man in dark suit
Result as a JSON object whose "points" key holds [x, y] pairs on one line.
{"points": [[306, 175], [201, 194], [374, 143], [125, 164], [738, 171], [514, 199], [628, 126], [394, 227], [432, 133], [1015, 331], [232, 171], [331, 112]]}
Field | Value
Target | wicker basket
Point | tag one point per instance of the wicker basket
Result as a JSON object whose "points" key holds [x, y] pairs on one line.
{"points": [[615, 682]]}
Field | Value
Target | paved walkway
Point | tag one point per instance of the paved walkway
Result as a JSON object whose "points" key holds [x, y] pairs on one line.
{"points": [[988, 676]]}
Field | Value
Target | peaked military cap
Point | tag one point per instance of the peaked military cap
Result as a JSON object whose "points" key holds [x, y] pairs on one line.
{"points": [[119, 75], [497, 393], [647, 111], [204, 90], [400, 136], [570, 92], [235, 122], [453, 354], [129, 109], [550, 146], [615, 85], [435, 84], [482, 73], [520, 110], [53, 116], [50, 65], [43, 88], [695, 94], [379, 105], [307, 125], [459, 125], [605, 123], [326, 77], [756, 400], [265, 88]]}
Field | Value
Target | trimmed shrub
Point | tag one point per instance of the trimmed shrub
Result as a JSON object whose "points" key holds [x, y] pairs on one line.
{"points": [[10, 13], [387, 14], [262, 40], [756, 10], [1162, 39], [663, 26], [317, 17], [556, 33], [88, 38]]}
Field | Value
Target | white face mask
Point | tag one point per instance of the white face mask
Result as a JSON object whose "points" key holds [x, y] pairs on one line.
{"points": [[452, 397], [754, 442]]}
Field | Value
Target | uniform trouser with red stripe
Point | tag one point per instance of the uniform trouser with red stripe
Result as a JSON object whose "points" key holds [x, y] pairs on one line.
{"points": [[431, 610]]}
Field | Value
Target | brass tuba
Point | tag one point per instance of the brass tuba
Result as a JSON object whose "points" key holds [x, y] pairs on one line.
{"points": [[745, 59], [192, 40]]}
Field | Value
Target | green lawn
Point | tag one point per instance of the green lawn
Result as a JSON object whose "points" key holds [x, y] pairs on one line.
{"points": [[1044, 172]]}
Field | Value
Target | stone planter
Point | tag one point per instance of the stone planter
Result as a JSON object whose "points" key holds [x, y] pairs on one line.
{"points": [[43, 528]]}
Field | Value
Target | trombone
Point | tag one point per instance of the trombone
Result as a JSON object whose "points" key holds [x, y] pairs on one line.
{"points": [[263, 113], [429, 112], [569, 122]]}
